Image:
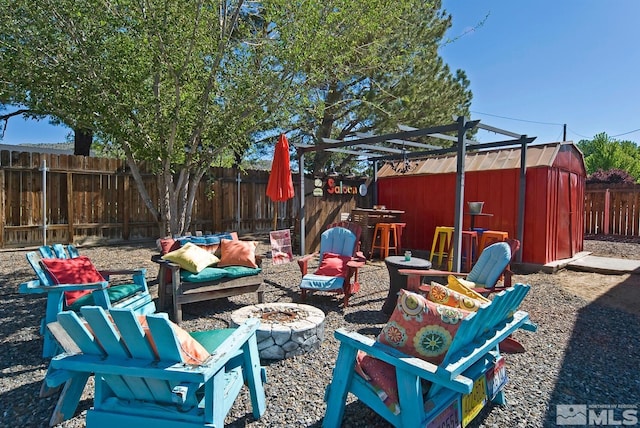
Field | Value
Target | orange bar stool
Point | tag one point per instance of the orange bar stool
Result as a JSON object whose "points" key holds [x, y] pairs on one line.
{"points": [[442, 236], [469, 249], [489, 237], [382, 239], [399, 229]]}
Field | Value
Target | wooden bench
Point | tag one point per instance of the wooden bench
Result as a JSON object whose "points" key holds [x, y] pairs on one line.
{"points": [[142, 377], [172, 290], [453, 392], [132, 295]]}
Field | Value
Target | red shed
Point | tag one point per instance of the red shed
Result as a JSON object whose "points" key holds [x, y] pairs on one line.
{"points": [[554, 197]]}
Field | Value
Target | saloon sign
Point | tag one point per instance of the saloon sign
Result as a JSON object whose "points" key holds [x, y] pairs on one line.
{"points": [[334, 186]]}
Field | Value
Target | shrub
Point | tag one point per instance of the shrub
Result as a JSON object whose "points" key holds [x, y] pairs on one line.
{"points": [[610, 176]]}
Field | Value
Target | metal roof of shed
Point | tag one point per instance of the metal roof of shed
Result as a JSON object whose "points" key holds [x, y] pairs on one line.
{"points": [[505, 158]]}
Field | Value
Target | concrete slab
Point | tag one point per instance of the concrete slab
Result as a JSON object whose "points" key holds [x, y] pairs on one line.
{"points": [[605, 265], [585, 262]]}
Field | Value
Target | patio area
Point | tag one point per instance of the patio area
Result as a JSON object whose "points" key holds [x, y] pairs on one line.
{"points": [[555, 370]]}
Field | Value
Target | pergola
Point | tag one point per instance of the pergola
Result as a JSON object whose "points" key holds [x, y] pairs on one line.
{"points": [[384, 148]]}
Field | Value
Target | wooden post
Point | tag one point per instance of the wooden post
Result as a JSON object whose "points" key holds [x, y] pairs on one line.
{"points": [[70, 212], [3, 217], [607, 214], [125, 208]]}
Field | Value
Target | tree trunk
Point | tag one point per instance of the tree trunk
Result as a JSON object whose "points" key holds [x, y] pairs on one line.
{"points": [[82, 140]]}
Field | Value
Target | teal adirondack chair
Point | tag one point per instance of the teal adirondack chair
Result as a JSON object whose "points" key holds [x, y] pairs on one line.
{"points": [[132, 295], [471, 374], [141, 379]]}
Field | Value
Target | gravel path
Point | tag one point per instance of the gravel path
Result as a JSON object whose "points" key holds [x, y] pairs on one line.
{"points": [[583, 353]]}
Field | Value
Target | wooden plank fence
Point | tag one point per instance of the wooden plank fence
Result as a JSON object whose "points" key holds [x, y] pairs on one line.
{"points": [[91, 199], [612, 209], [95, 200]]}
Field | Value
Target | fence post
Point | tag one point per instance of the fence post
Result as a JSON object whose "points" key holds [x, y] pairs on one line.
{"points": [[3, 216], [607, 213], [126, 210], [70, 206]]}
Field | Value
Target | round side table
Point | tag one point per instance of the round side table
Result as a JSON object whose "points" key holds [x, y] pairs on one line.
{"points": [[397, 281]]}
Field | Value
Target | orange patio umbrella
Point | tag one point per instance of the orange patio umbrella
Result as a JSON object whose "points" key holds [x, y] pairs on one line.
{"points": [[280, 186]]}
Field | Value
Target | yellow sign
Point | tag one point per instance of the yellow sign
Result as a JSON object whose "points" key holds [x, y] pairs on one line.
{"points": [[474, 402]]}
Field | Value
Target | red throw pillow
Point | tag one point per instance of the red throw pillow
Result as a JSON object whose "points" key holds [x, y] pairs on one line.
{"points": [[333, 265], [78, 270], [168, 245]]}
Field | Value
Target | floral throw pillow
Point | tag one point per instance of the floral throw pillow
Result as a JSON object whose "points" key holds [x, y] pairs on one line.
{"points": [[422, 328], [438, 293]]}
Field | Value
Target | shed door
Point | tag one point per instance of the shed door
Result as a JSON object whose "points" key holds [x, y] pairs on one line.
{"points": [[567, 212]]}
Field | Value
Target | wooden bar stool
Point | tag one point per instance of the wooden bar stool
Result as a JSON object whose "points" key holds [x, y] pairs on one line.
{"points": [[489, 237], [469, 249], [382, 239], [442, 234]]}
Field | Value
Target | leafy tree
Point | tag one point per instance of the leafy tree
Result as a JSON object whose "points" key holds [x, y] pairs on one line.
{"points": [[366, 67], [182, 86], [605, 153]]}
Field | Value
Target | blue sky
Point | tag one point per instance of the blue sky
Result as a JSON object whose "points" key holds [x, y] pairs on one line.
{"points": [[556, 62], [573, 62]]}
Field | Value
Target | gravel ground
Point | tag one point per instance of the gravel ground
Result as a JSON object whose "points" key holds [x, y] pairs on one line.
{"points": [[584, 352]]}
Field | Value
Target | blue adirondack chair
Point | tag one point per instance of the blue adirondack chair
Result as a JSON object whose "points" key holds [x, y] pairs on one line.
{"points": [[471, 374], [132, 295], [145, 383], [335, 241]]}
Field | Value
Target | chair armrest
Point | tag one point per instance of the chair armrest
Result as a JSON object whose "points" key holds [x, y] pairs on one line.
{"points": [[402, 361], [414, 277], [108, 273], [355, 263], [35, 287], [303, 262]]}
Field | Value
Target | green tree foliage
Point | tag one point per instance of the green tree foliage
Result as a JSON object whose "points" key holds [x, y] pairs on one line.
{"points": [[604, 153], [180, 86], [366, 66]]}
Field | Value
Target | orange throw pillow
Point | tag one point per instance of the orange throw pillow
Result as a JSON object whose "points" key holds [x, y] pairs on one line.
{"points": [[238, 253]]}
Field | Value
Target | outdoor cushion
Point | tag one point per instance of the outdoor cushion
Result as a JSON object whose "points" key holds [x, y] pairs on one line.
{"points": [[321, 282], [78, 270], [490, 265], [241, 271], [438, 293], [421, 328], [115, 293], [168, 245], [333, 265], [191, 257], [238, 253], [417, 327], [465, 287], [205, 275]]}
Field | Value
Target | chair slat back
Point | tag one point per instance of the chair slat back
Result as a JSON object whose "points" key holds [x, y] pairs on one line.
{"points": [[490, 265], [356, 228], [337, 240], [34, 260], [485, 321]]}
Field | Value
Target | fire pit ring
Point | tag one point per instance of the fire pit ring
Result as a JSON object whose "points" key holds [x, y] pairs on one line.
{"points": [[286, 329]]}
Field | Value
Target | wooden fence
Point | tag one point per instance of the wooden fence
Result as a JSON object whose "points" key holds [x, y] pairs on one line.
{"points": [[612, 209], [91, 199]]}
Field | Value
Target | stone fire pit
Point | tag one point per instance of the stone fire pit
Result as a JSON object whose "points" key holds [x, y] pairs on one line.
{"points": [[286, 329]]}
